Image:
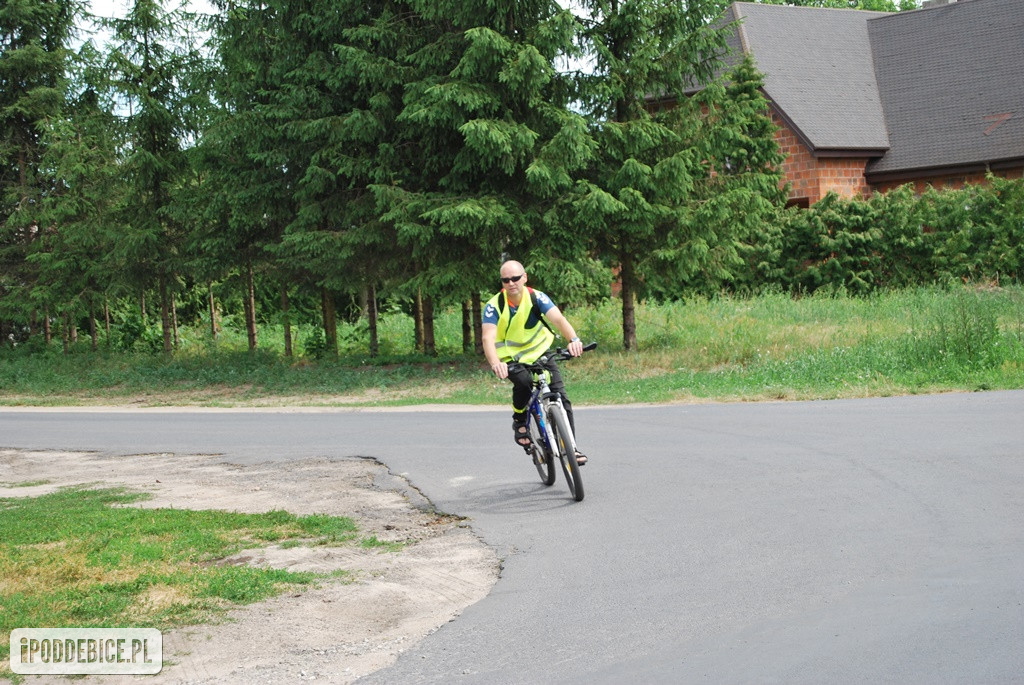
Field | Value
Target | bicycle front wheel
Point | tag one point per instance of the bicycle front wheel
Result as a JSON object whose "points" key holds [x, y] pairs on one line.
{"points": [[542, 458], [565, 445]]}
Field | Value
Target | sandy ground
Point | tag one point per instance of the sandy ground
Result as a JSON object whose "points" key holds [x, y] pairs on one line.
{"points": [[334, 633]]}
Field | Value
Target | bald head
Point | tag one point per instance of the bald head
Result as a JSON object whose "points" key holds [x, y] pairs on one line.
{"points": [[513, 288], [513, 266]]}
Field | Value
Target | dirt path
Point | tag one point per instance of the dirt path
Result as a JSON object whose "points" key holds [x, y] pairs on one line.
{"points": [[335, 633]]}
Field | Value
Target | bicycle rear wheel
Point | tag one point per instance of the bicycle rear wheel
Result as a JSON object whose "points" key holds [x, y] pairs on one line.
{"points": [[542, 458], [565, 445]]}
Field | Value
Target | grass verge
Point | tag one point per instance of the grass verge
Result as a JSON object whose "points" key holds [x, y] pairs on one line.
{"points": [[772, 346], [81, 557]]}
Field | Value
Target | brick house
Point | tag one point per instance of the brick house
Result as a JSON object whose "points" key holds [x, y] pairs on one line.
{"points": [[867, 101]]}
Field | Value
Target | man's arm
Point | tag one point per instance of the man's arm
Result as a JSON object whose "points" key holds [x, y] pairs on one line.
{"points": [[488, 335], [556, 318]]}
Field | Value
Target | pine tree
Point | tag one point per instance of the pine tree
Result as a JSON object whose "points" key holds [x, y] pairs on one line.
{"points": [[246, 172], [34, 60], [153, 67], [488, 145], [740, 186], [637, 197]]}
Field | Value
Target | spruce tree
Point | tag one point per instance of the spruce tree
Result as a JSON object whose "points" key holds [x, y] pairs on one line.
{"points": [[74, 256], [152, 66], [737, 191], [34, 61], [323, 114], [487, 143], [246, 172], [637, 197]]}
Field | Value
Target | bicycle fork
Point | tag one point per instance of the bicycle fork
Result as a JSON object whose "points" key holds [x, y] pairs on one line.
{"points": [[545, 398]]}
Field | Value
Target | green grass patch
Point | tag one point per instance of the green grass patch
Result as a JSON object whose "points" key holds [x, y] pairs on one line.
{"points": [[725, 348], [81, 557], [373, 542], [820, 347]]}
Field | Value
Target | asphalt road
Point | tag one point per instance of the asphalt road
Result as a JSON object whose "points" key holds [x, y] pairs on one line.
{"points": [[854, 541]]}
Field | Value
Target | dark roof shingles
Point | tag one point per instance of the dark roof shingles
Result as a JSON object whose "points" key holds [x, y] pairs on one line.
{"points": [[818, 72], [951, 80]]}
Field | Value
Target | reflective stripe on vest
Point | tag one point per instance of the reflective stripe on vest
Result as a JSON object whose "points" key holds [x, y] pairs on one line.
{"points": [[516, 342]]}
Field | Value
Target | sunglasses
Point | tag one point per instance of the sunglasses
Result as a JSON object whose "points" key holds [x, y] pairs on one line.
{"points": [[512, 279]]}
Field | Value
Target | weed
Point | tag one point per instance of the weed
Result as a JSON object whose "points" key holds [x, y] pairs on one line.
{"points": [[373, 542]]}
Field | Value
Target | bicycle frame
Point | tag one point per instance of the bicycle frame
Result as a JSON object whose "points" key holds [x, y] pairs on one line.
{"points": [[540, 400], [542, 397]]}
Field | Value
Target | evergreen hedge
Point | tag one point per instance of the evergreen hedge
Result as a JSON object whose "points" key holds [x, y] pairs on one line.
{"points": [[894, 240]]}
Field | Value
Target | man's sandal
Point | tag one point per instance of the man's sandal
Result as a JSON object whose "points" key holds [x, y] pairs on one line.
{"points": [[522, 434], [581, 459]]}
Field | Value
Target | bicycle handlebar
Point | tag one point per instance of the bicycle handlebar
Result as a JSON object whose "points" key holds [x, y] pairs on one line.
{"points": [[560, 354]]}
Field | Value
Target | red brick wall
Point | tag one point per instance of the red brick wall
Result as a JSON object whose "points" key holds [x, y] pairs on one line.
{"points": [[813, 177], [955, 181]]}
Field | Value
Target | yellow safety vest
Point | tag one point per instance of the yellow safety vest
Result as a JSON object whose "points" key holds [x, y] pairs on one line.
{"points": [[516, 342]]}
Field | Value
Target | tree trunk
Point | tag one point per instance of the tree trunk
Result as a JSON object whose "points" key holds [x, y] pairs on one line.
{"points": [[47, 331], [142, 307], [165, 316], [250, 310], [66, 332], [246, 314], [467, 326], [478, 325], [213, 312], [106, 318], [93, 332], [418, 319], [371, 317], [286, 320], [174, 318], [429, 348], [330, 321], [627, 275]]}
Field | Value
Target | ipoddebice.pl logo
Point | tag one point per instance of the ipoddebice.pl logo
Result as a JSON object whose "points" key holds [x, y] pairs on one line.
{"points": [[86, 651]]}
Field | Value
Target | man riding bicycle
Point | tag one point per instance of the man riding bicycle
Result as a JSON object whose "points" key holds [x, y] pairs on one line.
{"points": [[515, 329]]}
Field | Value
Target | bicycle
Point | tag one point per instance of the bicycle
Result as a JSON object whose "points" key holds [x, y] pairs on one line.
{"points": [[550, 433]]}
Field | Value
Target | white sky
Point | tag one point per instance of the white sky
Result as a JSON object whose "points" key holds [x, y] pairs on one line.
{"points": [[118, 8]]}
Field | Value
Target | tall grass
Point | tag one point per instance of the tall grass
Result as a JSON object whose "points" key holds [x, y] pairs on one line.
{"points": [[825, 345], [722, 348]]}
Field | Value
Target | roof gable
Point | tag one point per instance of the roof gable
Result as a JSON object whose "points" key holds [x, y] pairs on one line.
{"points": [[818, 71]]}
